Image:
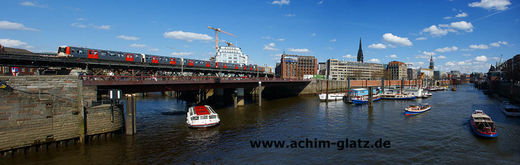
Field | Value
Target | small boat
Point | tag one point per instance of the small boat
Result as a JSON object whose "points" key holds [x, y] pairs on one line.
{"points": [[398, 96], [510, 109], [453, 89], [364, 99], [416, 109], [482, 125], [332, 96], [202, 116]]}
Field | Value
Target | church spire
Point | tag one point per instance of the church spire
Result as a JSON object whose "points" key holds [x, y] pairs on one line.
{"points": [[431, 62], [360, 52]]}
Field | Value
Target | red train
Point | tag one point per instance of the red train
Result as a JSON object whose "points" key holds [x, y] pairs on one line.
{"points": [[69, 51]]}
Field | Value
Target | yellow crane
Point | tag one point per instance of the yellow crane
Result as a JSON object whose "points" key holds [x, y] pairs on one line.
{"points": [[216, 35]]}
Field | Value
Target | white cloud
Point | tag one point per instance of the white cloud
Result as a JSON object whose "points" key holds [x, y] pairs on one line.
{"points": [[270, 46], [332, 40], [449, 64], [280, 39], [435, 31], [479, 46], [153, 49], [462, 25], [461, 15], [428, 53], [187, 36], [281, 2], [420, 63], [491, 4], [481, 58], [181, 53], [320, 2], [78, 25], [447, 49], [441, 57], [130, 38], [303, 50], [447, 17], [461, 63], [80, 19], [14, 26], [374, 60], [498, 43], [137, 45], [377, 46], [102, 27], [421, 38], [313, 34], [393, 56], [466, 55], [289, 15], [390, 38], [14, 43], [348, 56], [31, 4]]}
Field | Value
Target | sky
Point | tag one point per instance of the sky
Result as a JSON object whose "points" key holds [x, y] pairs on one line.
{"points": [[464, 35]]}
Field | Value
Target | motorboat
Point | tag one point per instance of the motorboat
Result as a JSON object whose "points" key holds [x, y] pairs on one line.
{"points": [[419, 93], [364, 99], [417, 109], [398, 96], [482, 125], [331, 97], [202, 116], [510, 109]]}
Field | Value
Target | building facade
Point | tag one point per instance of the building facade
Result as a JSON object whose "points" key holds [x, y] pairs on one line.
{"points": [[322, 68], [231, 54], [425, 73], [397, 70], [343, 70], [436, 75], [411, 73], [295, 66]]}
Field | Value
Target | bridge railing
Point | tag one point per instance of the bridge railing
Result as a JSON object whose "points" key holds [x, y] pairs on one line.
{"points": [[172, 78]]}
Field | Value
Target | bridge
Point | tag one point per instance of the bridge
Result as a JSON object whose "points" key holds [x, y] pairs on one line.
{"points": [[101, 67]]}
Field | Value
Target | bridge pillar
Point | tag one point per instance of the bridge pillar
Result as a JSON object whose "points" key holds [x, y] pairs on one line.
{"points": [[239, 97], [259, 92], [130, 114]]}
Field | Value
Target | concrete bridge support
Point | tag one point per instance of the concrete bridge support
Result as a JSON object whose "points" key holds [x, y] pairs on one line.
{"points": [[238, 97], [130, 115]]}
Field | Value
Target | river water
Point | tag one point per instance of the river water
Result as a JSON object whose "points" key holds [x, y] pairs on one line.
{"points": [[441, 135]]}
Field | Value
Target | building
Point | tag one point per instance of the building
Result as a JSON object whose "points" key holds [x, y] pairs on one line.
{"points": [[431, 62], [425, 73], [231, 54], [436, 75], [360, 53], [322, 68], [411, 73], [295, 66], [342, 70], [396, 70]]}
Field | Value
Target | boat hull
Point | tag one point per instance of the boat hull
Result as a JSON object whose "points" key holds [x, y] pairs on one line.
{"points": [[400, 98], [479, 133], [358, 102], [203, 125], [407, 112]]}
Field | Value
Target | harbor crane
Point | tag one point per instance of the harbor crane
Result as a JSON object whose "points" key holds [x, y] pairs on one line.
{"points": [[216, 35]]}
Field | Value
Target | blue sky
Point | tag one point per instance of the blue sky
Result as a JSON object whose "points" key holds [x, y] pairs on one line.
{"points": [[465, 35]]}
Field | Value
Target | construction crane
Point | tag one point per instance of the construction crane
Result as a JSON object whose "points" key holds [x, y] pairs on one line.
{"points": [[216, 35]]}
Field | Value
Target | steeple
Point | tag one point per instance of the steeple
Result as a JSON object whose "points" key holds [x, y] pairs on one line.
{"points": [[360, 52], [431, 62]]}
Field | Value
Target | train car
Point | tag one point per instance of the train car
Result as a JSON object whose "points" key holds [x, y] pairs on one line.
{"points": [[69, 51], [1, 48]]}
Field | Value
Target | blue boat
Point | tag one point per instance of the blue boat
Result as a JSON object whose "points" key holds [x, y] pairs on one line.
{"points": [[482, 125], [416, 109], [363, 100]]}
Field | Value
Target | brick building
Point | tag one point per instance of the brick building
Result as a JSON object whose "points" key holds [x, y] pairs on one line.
{"points": [[397, 70], [295, 66]]}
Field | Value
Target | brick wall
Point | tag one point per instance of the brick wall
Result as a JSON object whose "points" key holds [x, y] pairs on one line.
{"points": [[45, 108]]}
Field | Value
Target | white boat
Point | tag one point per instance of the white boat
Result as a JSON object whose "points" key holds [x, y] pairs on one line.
{"points": [[202, 116], [332, 96], [419, 93], [510, 109]]}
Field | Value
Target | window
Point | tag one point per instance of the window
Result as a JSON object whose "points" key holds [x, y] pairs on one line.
{"points": [[195, 118]]}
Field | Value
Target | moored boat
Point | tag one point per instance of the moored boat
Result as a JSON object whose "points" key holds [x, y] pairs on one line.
{"points": [[364, 99], [398, 96], [331, 96], [510, 109], [482, 125], [202, 116], [416, 109]]}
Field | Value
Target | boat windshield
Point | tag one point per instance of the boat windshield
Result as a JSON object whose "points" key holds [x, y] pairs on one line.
{"points": [[213, 117], [195, 118], [204, 117]]}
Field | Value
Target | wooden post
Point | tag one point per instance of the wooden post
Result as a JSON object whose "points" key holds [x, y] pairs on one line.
{"points": [[82, 113], [370, 97], [130, 114]]}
